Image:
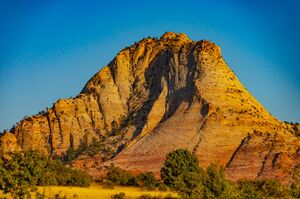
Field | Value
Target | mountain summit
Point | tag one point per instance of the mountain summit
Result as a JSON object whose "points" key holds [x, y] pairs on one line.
{"points": [[159, 95]]}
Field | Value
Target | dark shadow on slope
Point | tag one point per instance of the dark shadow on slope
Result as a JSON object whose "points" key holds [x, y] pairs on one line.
{"points": [[153, 77]]}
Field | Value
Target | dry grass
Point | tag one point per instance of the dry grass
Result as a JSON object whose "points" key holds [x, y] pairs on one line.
{"points": [[96, 191]]}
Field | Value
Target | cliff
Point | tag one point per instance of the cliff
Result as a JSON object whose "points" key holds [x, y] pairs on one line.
{"points": [[159, 95]]}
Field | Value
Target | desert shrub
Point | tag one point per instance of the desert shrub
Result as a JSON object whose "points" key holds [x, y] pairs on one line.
{"points": [[118, 196], [55, 173], [39, 195], [295, 191], [217, 186], [162, 187], [107, 184], [169, 196], [95, 147], [60, 196], [71, 155], [265, 188], [148, 196], [147, 180], [120, 177]]}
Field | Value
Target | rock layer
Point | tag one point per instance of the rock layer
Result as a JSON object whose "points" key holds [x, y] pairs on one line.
{"points": [[177, 93]]}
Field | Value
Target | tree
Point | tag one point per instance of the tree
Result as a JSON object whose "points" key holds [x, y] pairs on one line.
{"points": [[217, 186], [181, 172], [147, 180], [177, 164], [21, 172], [119, 176], [70, 155]]}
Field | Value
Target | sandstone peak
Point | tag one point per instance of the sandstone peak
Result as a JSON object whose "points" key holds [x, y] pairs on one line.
{"points": [[175, 36], [160, 95]]}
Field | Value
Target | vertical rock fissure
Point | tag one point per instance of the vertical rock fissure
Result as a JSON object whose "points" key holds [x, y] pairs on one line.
{"points": [[50, 140], [200, 136], [76, 115], [21, 140], [265, 160]]}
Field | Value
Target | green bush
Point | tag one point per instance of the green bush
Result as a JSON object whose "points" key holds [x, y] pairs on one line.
{"points": [[177, 164], [183, 175], [55, 173], [39, 195], [95, 147], [147, 180], [118, 196], [181, 172], [148, 196], [21, 172], [71, 155], [60, 196], [162, 187], [120, 177], [217, 186], [265, 188]]}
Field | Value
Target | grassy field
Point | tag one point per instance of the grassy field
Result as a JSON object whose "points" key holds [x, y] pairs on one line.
{"points": [[96, 191]]}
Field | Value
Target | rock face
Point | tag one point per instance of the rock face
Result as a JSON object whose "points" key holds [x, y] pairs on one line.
{"points": [[161, 95]]}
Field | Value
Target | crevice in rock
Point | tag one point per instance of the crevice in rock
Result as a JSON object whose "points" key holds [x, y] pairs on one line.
{"points": [[276, 156], [75, 115], [71, 141], [50, 141], [244, 141], [199, 132], [112, 67], [20, 135], [265, 160], [205, 109]]}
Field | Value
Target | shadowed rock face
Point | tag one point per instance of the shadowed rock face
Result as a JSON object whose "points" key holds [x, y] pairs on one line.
{"points": [[176, 93]]}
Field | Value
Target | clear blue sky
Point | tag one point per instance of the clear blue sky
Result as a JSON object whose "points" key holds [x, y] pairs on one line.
{"points": [[49, 49]]}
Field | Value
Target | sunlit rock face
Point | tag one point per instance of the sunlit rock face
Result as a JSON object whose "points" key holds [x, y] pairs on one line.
{"points": [[161, 95]]}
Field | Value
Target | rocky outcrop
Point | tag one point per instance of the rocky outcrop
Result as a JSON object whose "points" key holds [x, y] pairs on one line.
{"points": [[9, 143], [176, 93], [266, 155]]}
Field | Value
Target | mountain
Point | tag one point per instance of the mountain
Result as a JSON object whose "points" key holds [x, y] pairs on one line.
{"points": [[159, 95]]}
